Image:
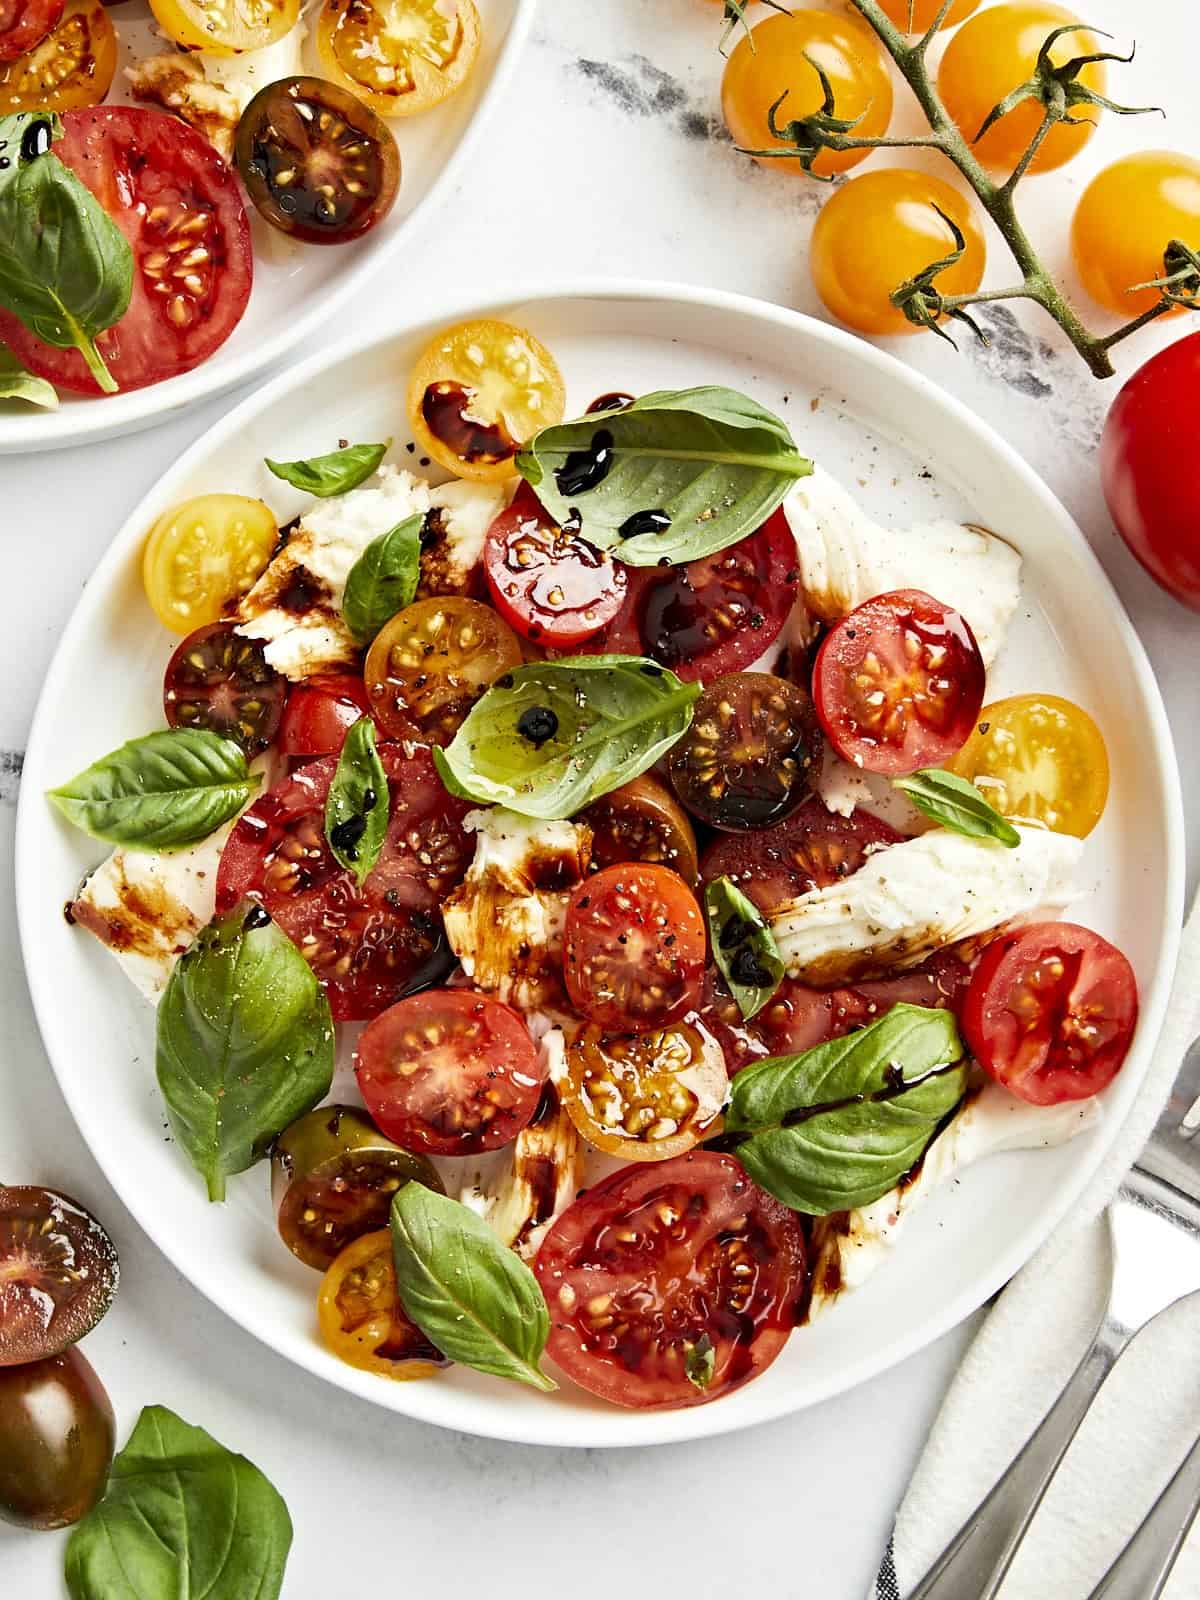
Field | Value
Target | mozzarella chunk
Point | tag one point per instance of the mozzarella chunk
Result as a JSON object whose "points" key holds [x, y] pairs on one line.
{"points": [[452, 539], [849, 1246], [178, 83], [840, 785], [913, 898], [846, 558], [241, 76]]}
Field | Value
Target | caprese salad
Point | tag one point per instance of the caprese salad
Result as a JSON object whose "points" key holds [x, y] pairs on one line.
{"points": [[631, 810]]}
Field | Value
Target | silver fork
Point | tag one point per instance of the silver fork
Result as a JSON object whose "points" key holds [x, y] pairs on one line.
{"points": [[1154, 1227]]}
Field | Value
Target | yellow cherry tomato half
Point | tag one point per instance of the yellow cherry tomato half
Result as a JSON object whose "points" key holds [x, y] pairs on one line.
{"points": [[399, 56], [1039, 758], [72, 67], [204, 553], [876, 232], [225, 27], [478, 391], [994, 53], [361, 1318], [1124, 221], [772, 59], [917, 16]]}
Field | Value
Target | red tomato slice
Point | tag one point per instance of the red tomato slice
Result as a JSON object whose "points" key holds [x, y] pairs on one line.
{"points": [[320, 712], [179, 206], [898, 683], [369, 946], [711, 616], [552, 585], [449, 1072], [1051, 1011], [633, 947], [25, 23], [656, 1258]]}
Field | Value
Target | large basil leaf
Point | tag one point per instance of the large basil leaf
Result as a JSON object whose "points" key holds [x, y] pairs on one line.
{"points": [[182, 1517], [356, 810], [956, 804], [383, 580], [743, 946], [66, 269], [16, 383], [160, 792], [839, 1125], [711, 462], [245, 1044], [470, 1295], [335, 473], [551, 736]]}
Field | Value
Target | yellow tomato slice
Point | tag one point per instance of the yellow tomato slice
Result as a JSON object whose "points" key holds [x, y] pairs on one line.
{"points": [[399, 56], [478, 391], [226, 27], [361, 1318], [643, 1096], [72, 67], [1038, 758], [204, 553]]}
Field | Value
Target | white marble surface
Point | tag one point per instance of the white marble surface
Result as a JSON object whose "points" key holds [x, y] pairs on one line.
{"points": [[607, 158]]}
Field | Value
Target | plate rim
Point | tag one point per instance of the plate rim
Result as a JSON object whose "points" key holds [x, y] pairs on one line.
{"points": [[632, 1428]]}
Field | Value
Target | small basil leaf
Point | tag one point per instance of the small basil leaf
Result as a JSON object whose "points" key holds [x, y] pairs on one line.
{"points": [[470, 1295], [743, 946], [16, 383], [160, 792], [182, 1515], [956, 804], [701, 1362], [711, 462], [356, 811], [335, 473], [245, 1044], [551, 736], [383, 580], [837, 1126]]}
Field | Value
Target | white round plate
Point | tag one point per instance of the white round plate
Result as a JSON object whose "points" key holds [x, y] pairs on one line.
{"points": [[296, 286], [906, 449]]}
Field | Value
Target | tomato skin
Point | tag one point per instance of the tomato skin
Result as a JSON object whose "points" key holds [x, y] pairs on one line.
{"points": [[57, 1436], [1150, 468], [550, 584], [25, 23], [320, 712], [1125, 219], [915, 16], [1050, 1012], [58, 1273]]}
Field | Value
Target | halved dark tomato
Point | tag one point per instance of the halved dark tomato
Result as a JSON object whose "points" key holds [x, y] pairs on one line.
{"points": [[57, 1434], [58, 1273], [369, 946], [220, 681], [549, 582], [320, 713], [712, 616], [643, 1096], [25, 23], [671, 1284], [361, 1317], [642, 821]]}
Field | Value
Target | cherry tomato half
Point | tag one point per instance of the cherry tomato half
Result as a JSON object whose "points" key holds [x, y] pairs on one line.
{"points": [[898, 683], [642, 821], [220, 681], [1124, 221], [1038, 758], [225, 27], [551, 584], [644, 1096], [657, 1260], [320, 712], [69, 66], [399, 57], [57, 1434], [1051, 1012], [25, 23], [58, 1273], [361, 1317], [204, 553]]}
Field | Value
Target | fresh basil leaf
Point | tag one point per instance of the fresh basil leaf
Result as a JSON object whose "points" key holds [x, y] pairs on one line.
{"points": [[356, 810], [245, 1043], [710, 461], [470, 1295], [956, 804], [838, 1126], [335, 473], [743, 946], [16, 383], [549, 737], [160, 792], [182, 1516], [700, 1362], [383, 580], [66, 269]]}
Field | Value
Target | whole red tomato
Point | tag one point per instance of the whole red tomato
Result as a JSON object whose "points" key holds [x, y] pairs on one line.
{"points": [[1150, 467]]}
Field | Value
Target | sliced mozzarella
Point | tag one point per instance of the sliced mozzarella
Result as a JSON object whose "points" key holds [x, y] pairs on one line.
{"points": [[452, 541], [846, 558], [913, 898], [849, 1247], [244, 74], [178, 83]]}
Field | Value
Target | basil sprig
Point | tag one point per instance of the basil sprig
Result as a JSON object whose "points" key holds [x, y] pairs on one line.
{"points": [[335, 473], [743, 946], [66, 269], [839, 1125], [161, 792], [245, 1044], [549, 737], [710, 462], [356, 810], [182, 1515], [17, 383], [470, 1295], [956, 804], [383, 580]]}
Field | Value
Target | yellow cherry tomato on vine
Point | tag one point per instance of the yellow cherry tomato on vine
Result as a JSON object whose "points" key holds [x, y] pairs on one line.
{"points": [[994, 53], [879, 230], [1038, 758], [1124, 221], [771, 59], [915, 16]]}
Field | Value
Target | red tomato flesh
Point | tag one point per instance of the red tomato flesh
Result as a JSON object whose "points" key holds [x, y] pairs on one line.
{"points": [[320, 713], [551, 585]]}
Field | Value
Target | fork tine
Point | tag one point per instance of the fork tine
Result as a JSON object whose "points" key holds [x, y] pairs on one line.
{"points": [[1141, 1571]]}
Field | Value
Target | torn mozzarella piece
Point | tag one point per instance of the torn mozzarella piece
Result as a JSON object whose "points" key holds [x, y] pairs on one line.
{"points": [[841, 786], [849, 1246], [847, 558], [452, 539], [242, 75], [178, 82], [915, 897]]}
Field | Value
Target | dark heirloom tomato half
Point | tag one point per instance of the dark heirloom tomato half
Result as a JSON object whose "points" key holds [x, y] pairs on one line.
{"points": [[57, 1434], [25, 23], [652, 1261], [316, 161], [551, 584], [58, 1273], [642, 821], [320, 713], [361, 1317], [369, 946], [220, 681]]}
